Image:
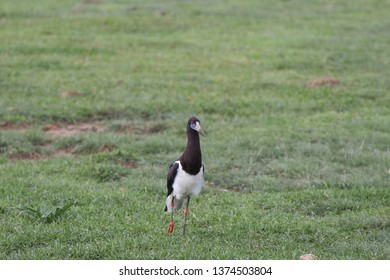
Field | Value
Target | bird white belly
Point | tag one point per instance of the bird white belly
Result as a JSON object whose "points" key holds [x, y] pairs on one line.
{"points": [[187, 185]]}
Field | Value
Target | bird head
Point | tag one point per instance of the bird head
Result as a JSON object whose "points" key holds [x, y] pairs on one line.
{"points": [[194, 124]]}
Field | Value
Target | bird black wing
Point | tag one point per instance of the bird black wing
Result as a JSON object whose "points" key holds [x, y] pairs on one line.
{"points": [[171, 176]]}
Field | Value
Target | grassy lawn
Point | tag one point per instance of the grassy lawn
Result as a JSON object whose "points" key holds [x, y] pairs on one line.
{"points": [[293, 95]]}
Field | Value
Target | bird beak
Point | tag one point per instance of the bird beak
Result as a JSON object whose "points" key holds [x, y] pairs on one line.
{"points": [[199, 129]]}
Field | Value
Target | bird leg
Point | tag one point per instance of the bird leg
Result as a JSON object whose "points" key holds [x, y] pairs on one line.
{"points": [[171, 223], [185, 215]]}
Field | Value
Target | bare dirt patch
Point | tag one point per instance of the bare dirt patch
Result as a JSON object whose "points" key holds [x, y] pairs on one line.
{"points": [[322, 82], [308, 257], [72, 93], [14, 126], [127, 163], [26, 156], [71, 130], [139, 129], [105, 148], [64, 152]]}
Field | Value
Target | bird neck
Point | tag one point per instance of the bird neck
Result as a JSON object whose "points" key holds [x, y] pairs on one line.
{"points": [[191, 160]]}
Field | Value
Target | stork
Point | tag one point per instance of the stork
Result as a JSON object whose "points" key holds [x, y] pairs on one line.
{"points": [[186, 174]]}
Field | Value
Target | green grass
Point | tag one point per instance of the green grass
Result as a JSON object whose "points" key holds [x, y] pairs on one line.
{"points": [[290, 169]]}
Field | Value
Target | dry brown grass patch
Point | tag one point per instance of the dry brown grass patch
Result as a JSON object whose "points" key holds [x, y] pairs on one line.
{"points": [[321, 82], [72, 130]]}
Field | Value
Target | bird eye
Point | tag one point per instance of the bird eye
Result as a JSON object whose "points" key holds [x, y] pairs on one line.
{"points": [[192, 125]]}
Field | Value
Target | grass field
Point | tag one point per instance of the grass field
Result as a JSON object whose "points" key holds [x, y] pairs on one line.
{"points": [[293, 95]]}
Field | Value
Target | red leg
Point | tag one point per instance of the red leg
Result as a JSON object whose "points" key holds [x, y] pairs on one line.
{"points": [[170, 228], [171, 223]]}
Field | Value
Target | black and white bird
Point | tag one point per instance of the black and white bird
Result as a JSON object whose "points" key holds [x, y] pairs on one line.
{"points": [[186, 174]]}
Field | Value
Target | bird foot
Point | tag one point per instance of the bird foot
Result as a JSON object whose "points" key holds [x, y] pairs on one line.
{"points": [[170, 228]]}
